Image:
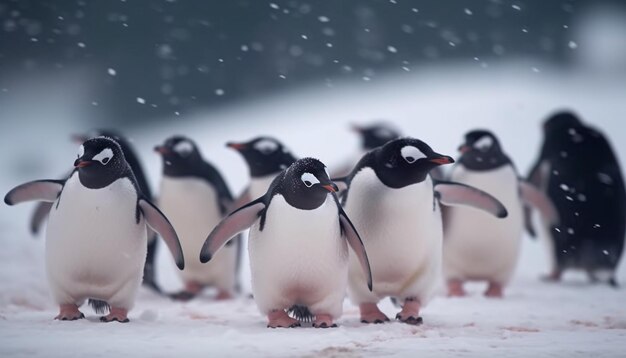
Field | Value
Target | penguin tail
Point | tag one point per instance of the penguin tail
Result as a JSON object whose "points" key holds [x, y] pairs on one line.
{"points": [[100, 307], [301, 313]]}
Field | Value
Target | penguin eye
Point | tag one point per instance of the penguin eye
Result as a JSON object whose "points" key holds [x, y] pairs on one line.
{"points": [[81, 151], [309, 179], [183, 148], [483, 143], [266, 146], [411, 154], [104, 156]]}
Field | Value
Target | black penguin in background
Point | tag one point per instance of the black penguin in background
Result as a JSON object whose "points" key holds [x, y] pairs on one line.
{"points": [[43, 208], [579, 171]]}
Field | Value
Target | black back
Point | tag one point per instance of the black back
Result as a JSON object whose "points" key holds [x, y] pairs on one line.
{"points": [[264, 155], [586, 185], [482, 151], [376, 135], [182, 159]]}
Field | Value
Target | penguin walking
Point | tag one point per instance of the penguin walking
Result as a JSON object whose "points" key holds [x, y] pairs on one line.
{"points": [[43, 208], [394, 204], [298, 247], [266, 158], [579, 171], [478, 246], [96, 239], [195, 198]]}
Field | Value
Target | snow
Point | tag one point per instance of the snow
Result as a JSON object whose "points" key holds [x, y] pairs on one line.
{"points": [[438, 105]]}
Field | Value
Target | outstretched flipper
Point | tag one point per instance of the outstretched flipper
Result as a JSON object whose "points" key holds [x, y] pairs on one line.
{"points": [[536, 178], [39, 216], [357, 245], [230, 226], [159, 223], [457, 194], [535, 198], [38, 190]]}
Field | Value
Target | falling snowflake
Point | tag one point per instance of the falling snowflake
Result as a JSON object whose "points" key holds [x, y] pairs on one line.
{"points": [[141, 100]]}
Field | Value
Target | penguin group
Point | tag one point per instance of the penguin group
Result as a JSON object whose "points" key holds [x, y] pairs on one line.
{"points": [[390, 223]]}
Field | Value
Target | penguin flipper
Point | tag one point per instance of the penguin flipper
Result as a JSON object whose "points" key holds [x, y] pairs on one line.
{"points": [[238, 221], [354, 239], [38, 190], [457, 194], [243, 199], [535, 198], [159, 223], [39, 216]]}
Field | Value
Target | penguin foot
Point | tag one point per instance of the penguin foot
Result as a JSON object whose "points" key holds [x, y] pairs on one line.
{"points": [[455, 288], [192, 289], [410, 313], [613, 282], [554, 276], [116, 314], [370, 313], [323, 321], [494, 290], [69, 312], [223, 295], [279, 318]]}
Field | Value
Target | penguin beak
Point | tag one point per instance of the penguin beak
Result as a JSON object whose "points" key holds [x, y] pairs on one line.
{"points": [[332, 187], [442, 159], [464, 148], [235, 146], [80, 163], [78, 138], [161, 149]]}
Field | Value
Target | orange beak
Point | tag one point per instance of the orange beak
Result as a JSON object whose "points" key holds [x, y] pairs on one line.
{"points": [[236, 146], [331, 187], [442, 160]]}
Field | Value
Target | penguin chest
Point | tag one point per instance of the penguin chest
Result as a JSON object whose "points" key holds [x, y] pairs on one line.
{"points": [[300, 253], [191, 205], [476, 243], [401, 230], [259, 185], [93, 236]]}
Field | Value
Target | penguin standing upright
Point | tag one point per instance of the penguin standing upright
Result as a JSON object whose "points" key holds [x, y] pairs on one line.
{"points": [[43, 208], [96, 239], [579, 171], [395, 206], [478, 246], [298, 246], [266, 158], [195, 197]]}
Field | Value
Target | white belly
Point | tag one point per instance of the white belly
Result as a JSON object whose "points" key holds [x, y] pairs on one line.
{"points": [[402, 235], [94, 245], [259, 186], [191, 205], [477, 245], [299, 258]]}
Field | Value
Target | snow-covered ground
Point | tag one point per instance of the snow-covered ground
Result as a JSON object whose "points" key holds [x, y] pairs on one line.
{"points": [[573, 319]]}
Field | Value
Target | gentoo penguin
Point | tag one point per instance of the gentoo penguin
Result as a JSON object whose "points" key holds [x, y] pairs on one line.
{"points": [[395, 206], [43, 208], [96, 239], [476, 245], [298, 246], [579, 171], [266, 158], [195, 197]]}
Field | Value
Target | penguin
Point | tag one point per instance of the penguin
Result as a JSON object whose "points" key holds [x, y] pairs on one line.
{"points": [[43, 208], [96, 239], [478, 246], [266, 158], [298, 247], [195, 197], [394, 204], [578, 169]]}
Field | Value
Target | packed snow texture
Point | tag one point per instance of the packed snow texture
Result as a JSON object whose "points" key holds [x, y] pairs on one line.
{"points": [[438, 105]]}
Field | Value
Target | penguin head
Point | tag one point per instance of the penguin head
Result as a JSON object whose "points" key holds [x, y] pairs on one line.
{"points": [[376, 135], [180, 155], [560, 121], [406, 161], [306, 184], [100, 161], [79, 138], [482, 151], [264, 155]]}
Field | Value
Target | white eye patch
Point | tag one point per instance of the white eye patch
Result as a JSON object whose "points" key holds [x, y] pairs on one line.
{"points": [[81, 151], [183, 148], [483, 143], [104, 156], [384, 133], [309, 179], [411, 154], [266, 146]]}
